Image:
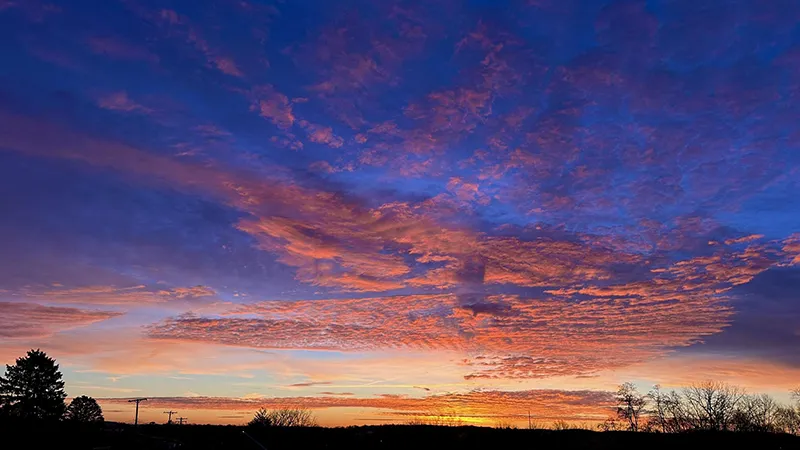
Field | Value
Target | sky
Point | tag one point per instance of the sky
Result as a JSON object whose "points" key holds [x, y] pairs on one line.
{"points": [[386, 210]]}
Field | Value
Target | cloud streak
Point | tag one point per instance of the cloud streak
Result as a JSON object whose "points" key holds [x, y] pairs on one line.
{"points": [[31, 320], [544, 404]]}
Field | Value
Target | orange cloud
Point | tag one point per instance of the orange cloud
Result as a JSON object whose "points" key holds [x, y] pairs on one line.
{"points": [[113, 295], [791, 248], [500, 336], [188, 292], [744, 239], [543, 404]]}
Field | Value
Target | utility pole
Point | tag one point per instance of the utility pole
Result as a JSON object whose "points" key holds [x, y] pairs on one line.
{"points": [[181, 420], [529, 420], [137, 400], [169, 421]]}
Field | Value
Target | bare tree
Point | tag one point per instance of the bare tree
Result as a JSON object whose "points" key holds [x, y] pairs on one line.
{"points": [[561, 425], [505, 424], [441, 417], [711, 405], [284, 417], [788, 419], [756, 413], [630, 405], [669, 413], [718, 406], [788, 416], [610, 424]]}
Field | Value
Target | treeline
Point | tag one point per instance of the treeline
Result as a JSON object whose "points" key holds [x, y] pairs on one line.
{"points": [[708, 406]]}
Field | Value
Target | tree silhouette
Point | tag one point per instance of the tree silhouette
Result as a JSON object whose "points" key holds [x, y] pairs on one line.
{"points": [[711, 405], [285, 417], [630, 405], [33, 388], [84, 409]]}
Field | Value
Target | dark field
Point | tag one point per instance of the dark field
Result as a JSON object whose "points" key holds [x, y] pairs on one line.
{"points": [[377, 437]]}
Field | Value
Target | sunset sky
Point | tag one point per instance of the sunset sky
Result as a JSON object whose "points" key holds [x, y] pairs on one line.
{"points": [[389, 209]]}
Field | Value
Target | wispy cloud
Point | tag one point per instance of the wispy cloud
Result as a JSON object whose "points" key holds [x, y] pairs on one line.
{"points": [[119, 101], [30, 320], [114, 295]]}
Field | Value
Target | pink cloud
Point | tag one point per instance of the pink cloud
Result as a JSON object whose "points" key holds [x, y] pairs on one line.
{"points": [[273, 105], [336, 242], [119, 101], [323, 135], [118, 49], [30, 320], [227, 66], [177, 25], [501, 336]]}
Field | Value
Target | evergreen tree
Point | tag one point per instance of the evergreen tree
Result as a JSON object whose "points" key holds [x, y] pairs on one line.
{"points": [[85, 410], [33, 388]]}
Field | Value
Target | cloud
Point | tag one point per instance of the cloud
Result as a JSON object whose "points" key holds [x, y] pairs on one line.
{"points": [[113, 295], [744, 239], [181, 26], [190, 292], [122, 350], [120, 49], [467, 192], [791, 249], [322, 166], [119, 101], [226, 66], [273, 105], [212, 131], [311, 383], [501, 336], [488, 404], [31, 320], [334, 241], [323, 135]]}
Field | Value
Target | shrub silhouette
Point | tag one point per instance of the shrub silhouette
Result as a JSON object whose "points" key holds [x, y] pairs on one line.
{"points": [[284, 417], [84, 409], [32, 389]]}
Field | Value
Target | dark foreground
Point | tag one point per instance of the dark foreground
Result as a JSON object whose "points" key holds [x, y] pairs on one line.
{"points": [[373, 437]]}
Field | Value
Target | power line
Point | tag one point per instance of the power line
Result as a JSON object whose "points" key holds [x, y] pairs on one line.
{"points": [[254, 440], [137, 400], [169, 421]]}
